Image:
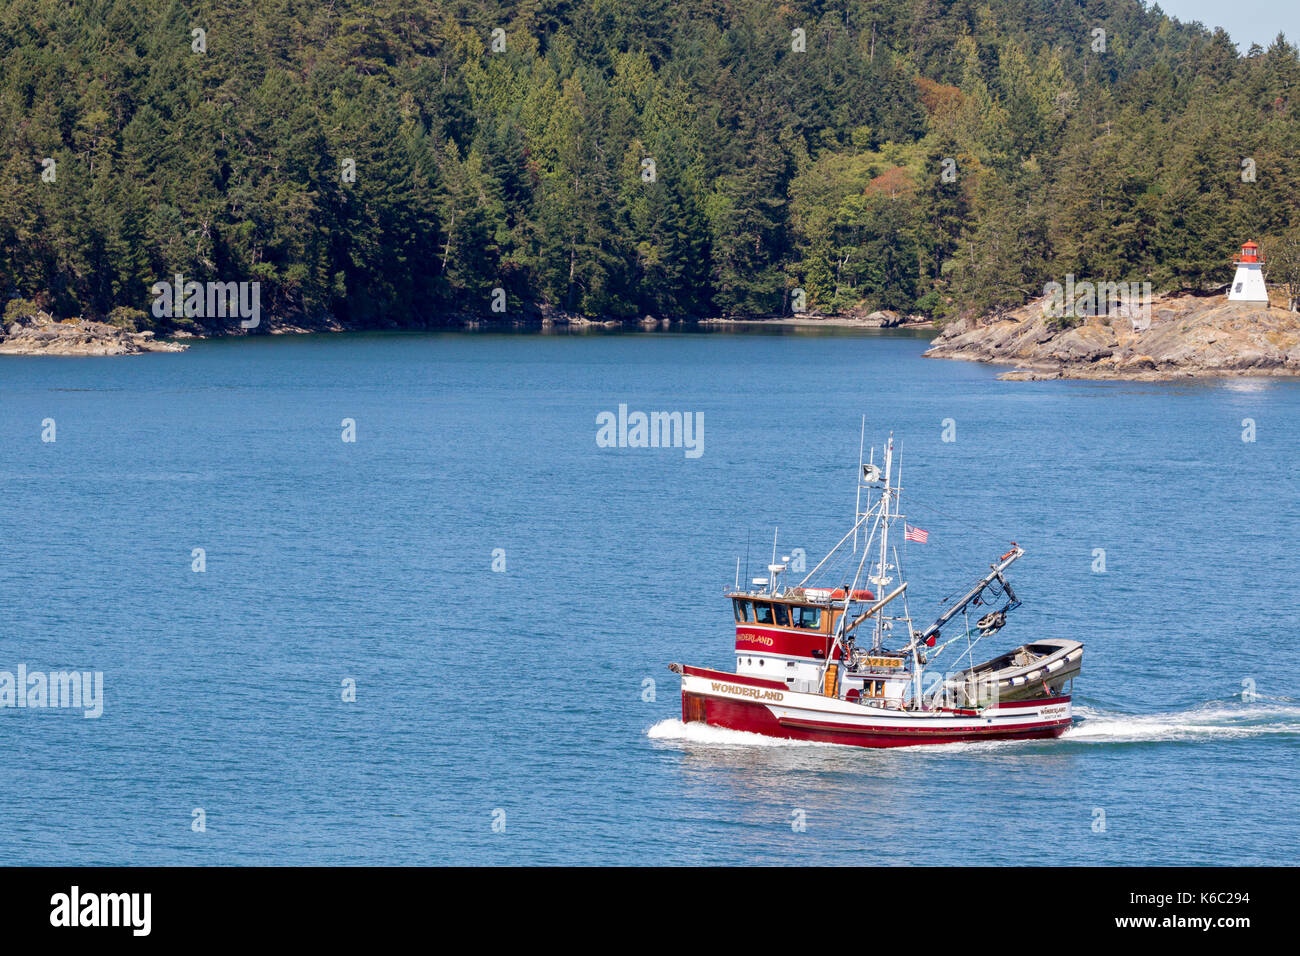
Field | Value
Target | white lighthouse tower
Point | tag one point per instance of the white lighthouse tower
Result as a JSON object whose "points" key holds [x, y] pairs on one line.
{"points": [[1248, 283]]}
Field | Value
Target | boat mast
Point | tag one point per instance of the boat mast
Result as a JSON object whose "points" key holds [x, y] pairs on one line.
{"points": [[775, 570], [885, 495]]}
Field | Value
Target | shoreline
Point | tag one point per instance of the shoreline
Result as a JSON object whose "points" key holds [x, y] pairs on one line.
{"points": [[43, 335], [1179, 337], [1186, 337], [1021, 372]]}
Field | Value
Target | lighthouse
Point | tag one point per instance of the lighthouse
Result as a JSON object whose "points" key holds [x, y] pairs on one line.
{"points": [[1248, 283]]}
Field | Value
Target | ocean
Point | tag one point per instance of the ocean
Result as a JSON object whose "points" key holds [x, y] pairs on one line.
{"points": [[385, 598]]}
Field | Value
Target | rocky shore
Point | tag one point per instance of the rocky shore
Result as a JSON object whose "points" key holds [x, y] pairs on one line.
{"points": [[39, 334], [853, 319], [1184, 336]]}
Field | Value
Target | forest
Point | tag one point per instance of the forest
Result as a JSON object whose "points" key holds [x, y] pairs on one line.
{"points": [[395, 162]]}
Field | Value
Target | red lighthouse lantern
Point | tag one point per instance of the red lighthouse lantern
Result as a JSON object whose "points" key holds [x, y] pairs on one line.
{"points": [[1249, 253]]}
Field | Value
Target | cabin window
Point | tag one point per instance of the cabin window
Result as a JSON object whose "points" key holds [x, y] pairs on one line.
{"points": [[744, 611], [762, 613], [782, 615], [809, 617]]}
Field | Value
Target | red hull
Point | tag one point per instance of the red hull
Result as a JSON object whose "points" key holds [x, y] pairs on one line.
{"points": [[757, 719]]}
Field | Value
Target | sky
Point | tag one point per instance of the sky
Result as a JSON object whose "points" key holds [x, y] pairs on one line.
{"points": [[1247, 21]]}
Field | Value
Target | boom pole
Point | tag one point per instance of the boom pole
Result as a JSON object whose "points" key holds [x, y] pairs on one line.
{"points": [[995, 574]]}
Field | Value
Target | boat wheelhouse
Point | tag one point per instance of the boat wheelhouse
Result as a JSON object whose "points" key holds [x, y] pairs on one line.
{"points": [[790, 636]]}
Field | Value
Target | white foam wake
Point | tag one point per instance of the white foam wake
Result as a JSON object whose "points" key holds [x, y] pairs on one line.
{"points": [[698, 733], [1211, 720]]}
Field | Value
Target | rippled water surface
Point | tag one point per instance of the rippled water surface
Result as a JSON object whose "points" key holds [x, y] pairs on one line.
{"points": [[519, 696]]}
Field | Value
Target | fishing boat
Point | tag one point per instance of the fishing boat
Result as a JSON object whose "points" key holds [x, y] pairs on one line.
{"points": [[806, 668]]}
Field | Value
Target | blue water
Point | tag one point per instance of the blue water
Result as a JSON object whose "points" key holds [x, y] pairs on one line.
{"points": [[519, 695]]}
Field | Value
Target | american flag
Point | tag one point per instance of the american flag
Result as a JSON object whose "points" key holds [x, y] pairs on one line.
{"points": [[915, 534]]}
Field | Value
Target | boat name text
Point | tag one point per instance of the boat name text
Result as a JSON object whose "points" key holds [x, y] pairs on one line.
{"points": [[758, 693]]}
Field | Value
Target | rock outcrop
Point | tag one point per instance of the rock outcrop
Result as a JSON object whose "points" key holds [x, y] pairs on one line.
{"points": [[889, 319], [40, 334], [1183, 336]]}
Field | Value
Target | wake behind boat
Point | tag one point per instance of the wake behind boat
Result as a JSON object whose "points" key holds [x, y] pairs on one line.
{"points": [[800, 673]]}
